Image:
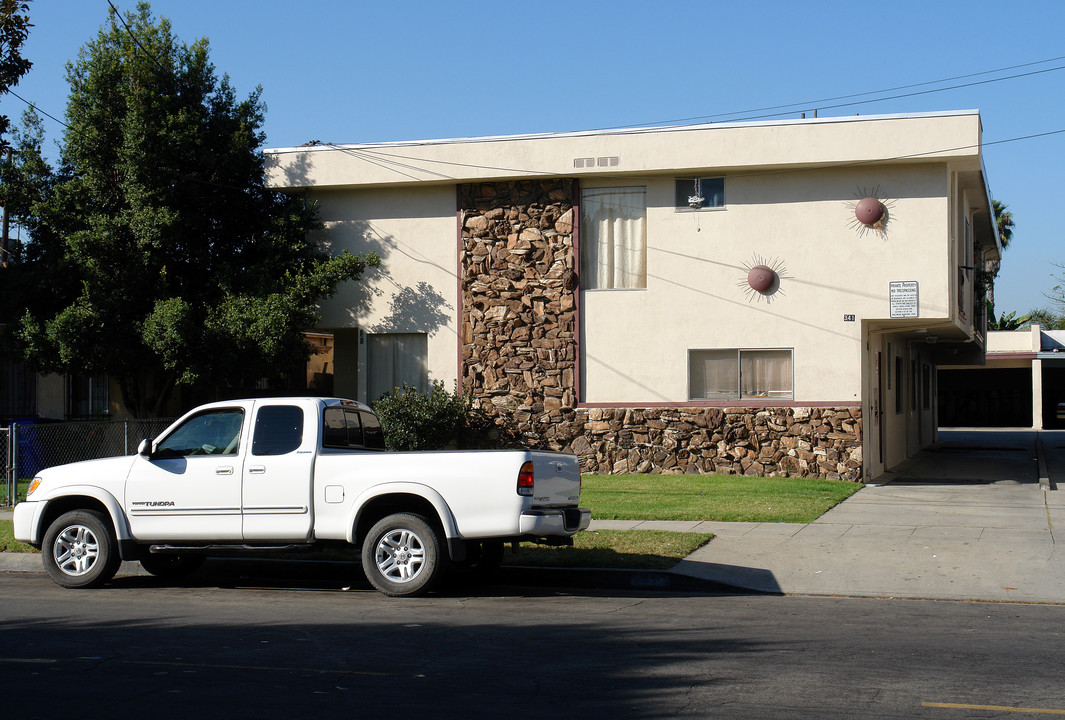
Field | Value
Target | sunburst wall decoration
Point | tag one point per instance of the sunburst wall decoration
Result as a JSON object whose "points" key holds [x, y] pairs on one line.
{"points": [[870, 212], [762, 278]]}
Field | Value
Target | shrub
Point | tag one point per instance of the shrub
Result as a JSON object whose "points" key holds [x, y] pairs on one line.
{"points": [[416, 420]]}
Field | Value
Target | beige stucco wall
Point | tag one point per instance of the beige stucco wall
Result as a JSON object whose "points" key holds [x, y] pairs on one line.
{"points": [[1013, 341], [802, 224], [413, 232], [51, 396], [816, 141]]}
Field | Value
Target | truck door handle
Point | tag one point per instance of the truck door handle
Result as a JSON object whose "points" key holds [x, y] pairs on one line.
{"points": [[257, 470], [224, 470]]}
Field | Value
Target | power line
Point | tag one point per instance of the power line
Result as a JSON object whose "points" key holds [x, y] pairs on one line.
{"points": [[136, 40], [379, 158], [37, 109], [816, 104]]}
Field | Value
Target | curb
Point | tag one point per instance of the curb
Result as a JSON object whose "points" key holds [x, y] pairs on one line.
{"points": [[509, 575]]}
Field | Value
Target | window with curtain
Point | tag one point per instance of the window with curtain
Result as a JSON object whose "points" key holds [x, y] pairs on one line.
{"points": [[733, 374], [395, 359], [613, 238]]}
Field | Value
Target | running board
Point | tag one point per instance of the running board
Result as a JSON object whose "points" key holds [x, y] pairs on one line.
{"points": [[221, 549]]}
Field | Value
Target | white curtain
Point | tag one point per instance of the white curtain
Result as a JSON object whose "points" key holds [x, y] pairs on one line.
{"points": [[395, 359], [765, 373], [614, 237], [714, 374]]}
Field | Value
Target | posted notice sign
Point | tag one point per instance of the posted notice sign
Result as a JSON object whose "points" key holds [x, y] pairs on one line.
{"points": [[902, 296]]}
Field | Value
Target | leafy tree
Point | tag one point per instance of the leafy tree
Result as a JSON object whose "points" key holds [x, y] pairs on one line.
{"points": [[179, 265], [1046, 319], [14, 28], [33, 273], [1006, 321]]}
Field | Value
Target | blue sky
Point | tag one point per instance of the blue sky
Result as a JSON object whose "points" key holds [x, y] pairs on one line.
{"points": [[350, 71]]}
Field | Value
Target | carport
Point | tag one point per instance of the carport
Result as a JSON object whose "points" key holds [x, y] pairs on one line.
{"points": [[1019, 386], [986, 397]]}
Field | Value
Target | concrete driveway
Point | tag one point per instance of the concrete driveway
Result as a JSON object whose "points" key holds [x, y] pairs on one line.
{"points": [[966, 519]]}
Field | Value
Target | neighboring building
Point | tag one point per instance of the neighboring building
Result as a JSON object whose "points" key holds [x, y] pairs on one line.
{"points": [[1022, 383], [27, 396], [762, 298]]}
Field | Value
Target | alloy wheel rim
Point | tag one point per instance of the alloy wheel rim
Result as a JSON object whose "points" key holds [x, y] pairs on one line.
{"points": [[400, 555], [76, 550]]}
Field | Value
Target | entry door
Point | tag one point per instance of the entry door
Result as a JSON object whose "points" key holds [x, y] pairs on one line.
{"points": [[878, 411], [278, 474], [189, 489]]}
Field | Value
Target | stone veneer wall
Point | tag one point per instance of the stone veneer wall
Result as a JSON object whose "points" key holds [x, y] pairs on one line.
{"points": [[519, 352]]}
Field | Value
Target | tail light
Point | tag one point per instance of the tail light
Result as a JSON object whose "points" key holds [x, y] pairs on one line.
{"points": [[525, 479]]}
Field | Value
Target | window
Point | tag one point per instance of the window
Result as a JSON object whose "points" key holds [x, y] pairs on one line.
{"points": [[88, 395], [613, 238], [734, 374], [397, 359], [278, 430], [348, 428], [211, 433], [699, 193]]}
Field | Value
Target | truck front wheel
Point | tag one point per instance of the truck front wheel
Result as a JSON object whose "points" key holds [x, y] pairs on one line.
{"points": [[79, 550], [401, 555]]}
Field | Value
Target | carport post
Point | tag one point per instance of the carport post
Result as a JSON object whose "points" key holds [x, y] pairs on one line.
{"points": [[1037, 394]]}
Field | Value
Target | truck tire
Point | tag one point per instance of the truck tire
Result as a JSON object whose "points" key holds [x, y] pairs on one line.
{"points": [[80, 550], [171, 567], [401, 555]]}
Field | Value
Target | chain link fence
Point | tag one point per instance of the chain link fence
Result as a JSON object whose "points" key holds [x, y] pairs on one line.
{"points": [[29, 448]]}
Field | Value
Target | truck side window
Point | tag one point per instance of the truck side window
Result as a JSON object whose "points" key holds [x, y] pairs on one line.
{"points": [[341, 429], [278, 430], [372, 436], [347, 428], [210, 433]]}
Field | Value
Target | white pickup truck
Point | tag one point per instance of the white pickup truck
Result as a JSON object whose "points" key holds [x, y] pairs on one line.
{"points": [[276, 474]]}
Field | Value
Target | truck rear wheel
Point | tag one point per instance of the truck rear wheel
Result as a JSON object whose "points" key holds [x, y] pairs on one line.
{"points": [[401, 555], [80, 550]]}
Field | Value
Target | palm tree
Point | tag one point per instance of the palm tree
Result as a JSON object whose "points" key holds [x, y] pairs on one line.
{"points": [[1004, 225], [1003, 222]]}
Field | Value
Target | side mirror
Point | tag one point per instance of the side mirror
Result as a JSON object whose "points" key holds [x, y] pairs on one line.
{"points": [[145, 448]]}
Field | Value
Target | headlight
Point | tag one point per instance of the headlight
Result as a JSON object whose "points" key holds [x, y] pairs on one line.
{"points": [[33, 486]]}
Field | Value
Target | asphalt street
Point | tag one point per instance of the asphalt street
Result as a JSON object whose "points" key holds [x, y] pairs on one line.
{"points": [[277, 647]]}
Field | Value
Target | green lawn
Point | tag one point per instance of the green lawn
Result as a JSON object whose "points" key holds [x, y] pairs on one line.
{"points": [[7, 539], [637, 549], [727, 498]]}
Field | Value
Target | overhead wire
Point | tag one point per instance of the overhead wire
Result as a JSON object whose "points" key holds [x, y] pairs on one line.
{"points": [[385, 160], [816, 104], [373, 156]]}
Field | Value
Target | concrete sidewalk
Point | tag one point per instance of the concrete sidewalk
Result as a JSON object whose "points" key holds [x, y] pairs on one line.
{"points": [[968, 519]]}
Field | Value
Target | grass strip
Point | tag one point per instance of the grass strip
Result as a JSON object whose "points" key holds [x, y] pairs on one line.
{"points": [[632, 549], [724, 498], [7, 539]]}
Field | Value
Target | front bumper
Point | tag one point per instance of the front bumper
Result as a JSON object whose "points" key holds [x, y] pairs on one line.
{"points": [[26, 525], [550, 522]]}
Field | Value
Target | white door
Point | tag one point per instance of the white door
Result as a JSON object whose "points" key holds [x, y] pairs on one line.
{"points": [[278, 472], [190, 487]]}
